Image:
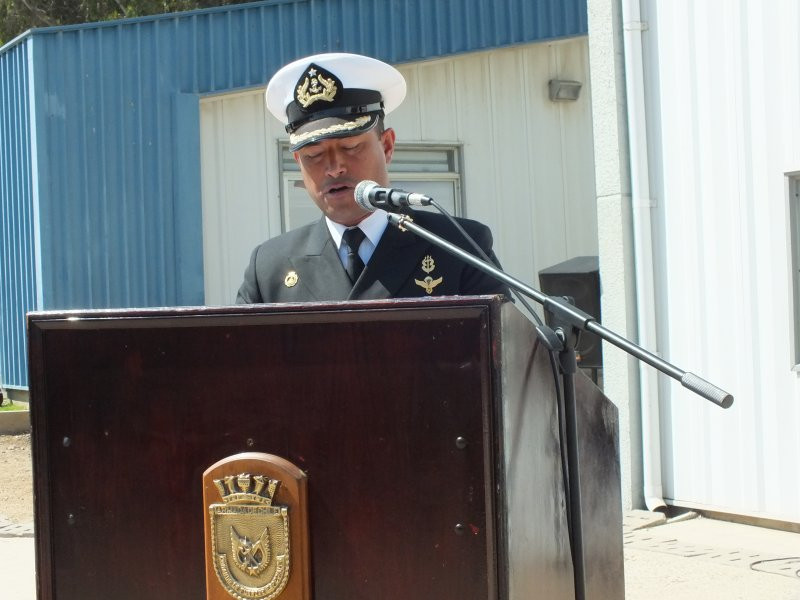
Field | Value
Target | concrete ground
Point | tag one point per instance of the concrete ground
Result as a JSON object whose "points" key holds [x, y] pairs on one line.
{"points": [[691, 558], [681, 559], [17, 579]]}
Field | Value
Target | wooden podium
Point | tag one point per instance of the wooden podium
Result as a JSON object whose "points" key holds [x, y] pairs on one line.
{"points": [[427, 429]]}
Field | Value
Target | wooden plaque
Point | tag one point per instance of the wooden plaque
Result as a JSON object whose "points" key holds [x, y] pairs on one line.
{"points": [[256, 529]]}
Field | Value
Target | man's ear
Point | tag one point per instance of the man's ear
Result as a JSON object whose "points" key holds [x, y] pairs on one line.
{"points": [[387, 141]]}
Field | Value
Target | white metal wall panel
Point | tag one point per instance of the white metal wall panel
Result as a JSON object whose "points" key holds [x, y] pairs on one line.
{"points": [[241, 204], [527, 161], [723, 91]]}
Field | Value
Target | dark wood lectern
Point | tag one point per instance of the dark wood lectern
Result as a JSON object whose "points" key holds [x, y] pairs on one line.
{"points": [[427, 429]]}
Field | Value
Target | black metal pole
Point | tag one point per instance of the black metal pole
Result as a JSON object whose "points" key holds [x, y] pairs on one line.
{"points": [[568, 313], [569, 366]]}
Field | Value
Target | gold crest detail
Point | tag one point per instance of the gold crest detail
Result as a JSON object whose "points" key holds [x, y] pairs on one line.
{"points": [[428, 264], [428, 283], [251, 556], [250, 537], [315, 87], [291, 279]]}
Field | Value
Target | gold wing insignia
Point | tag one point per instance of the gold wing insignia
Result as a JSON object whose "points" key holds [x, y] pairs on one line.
{"points": [[252, 557], [428, 283]]}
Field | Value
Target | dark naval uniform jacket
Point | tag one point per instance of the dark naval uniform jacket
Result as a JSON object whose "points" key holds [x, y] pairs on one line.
{"points": [[303, 265]]}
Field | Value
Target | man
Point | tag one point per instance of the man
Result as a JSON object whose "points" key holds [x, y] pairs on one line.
{"points": [[333, 107]]}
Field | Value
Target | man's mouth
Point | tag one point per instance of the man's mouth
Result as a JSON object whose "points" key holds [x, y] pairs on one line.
{"points": [[337, 189]]}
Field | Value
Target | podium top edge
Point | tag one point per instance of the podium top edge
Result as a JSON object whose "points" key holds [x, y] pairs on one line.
{"points": [[95, 314]]}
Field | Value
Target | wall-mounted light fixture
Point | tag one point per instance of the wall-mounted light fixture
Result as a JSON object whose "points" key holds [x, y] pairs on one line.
{"points": [[564, 91]]}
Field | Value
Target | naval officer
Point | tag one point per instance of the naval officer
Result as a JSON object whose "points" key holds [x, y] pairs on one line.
{"points": [[333, 106]]}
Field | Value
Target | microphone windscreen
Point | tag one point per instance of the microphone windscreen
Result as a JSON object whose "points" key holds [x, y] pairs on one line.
{"points": [[361, 194]]}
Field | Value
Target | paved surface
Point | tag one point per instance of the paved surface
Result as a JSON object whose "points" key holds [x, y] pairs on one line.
{"points": [[682, 559], [9, 529], [17, 575], [690, 558]]}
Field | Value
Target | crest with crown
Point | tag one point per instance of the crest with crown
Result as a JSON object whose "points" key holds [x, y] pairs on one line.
{"points": [[247, 489]]}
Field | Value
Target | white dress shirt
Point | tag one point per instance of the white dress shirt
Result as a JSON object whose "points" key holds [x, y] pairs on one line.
{"points": [[373, 227]]}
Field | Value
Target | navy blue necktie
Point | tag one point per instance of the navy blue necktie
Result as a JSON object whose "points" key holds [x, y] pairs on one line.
{"points": [[352, 239]]}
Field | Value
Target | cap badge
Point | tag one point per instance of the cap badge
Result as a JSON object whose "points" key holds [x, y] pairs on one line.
{"points": [[291, 279], [318, 84], [428, 264]]}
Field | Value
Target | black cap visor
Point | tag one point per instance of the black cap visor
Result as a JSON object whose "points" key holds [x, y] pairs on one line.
{"points": [[317, 130]]}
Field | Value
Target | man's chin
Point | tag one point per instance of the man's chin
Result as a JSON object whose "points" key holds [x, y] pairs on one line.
{"points": [[352, 216]]}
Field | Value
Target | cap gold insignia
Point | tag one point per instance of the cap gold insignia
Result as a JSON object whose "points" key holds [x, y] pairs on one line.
{"points": [[291, 279], [315, 87], [428, 264]]}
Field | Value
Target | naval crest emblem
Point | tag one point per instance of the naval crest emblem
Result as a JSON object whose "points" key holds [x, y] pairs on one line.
{"points": [[250, 537], [256, 529]]}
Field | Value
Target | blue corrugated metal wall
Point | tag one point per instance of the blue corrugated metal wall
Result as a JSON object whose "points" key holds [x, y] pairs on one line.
{"points": [[17, 272], [115, 116]]}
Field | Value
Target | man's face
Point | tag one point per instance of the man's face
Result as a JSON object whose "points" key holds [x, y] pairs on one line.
{"points": [[334, 167]]}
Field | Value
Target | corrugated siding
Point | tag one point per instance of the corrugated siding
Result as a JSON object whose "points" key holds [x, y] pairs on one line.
{"points": [[725, 113], [106, 112], [17, 272]]}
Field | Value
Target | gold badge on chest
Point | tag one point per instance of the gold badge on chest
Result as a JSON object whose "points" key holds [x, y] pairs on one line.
{"points": [[291, 279], [428, 283]]}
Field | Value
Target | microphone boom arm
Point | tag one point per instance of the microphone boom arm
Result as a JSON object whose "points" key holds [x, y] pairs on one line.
{"points": [[571, 314]]}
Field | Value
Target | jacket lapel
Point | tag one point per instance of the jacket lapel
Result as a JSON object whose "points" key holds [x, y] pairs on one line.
{"points": [[325, 276], [397, 255]]}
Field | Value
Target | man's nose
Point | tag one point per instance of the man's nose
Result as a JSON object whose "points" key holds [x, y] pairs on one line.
{"points": [[336, 164]]}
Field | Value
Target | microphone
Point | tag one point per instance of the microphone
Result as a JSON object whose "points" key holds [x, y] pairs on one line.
{"points": [[369, 196]]}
